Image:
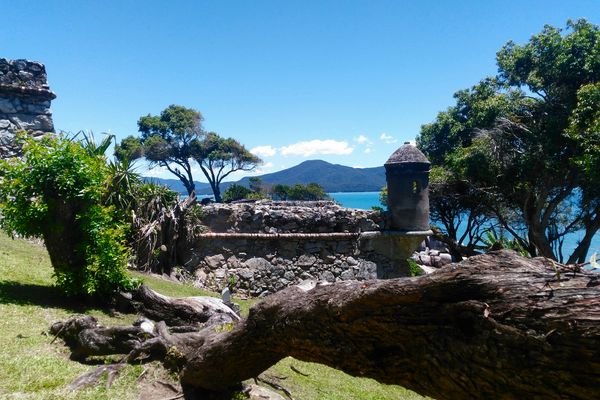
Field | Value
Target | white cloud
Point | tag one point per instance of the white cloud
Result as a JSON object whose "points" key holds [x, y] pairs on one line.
{"points": [[368, 150], [311, 147], [387, 138], [362, 139], [264, 168], [264, 151]]}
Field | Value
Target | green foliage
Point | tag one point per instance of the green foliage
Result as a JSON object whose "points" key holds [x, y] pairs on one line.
{"points": [[167, 140], [255, 184], [383, 197], [523, 146], [584, 128], [175, 137], [495, 241], [194, 214], [158, 196], [476, 108], [219, 157], [56, 192], [231, 281], [280, 192], [413, 267], [129, 149], [175, 124], [309, 192], [236, 192], [122, 187]]}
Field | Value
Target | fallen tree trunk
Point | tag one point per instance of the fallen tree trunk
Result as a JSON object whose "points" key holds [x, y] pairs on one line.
{"points": [[494, 326]]}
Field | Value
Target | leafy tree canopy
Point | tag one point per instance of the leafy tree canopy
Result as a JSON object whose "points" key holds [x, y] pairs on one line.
{"points": [[167, 140], [308, 192], [175, 138], [219, 157], [523, 145]]}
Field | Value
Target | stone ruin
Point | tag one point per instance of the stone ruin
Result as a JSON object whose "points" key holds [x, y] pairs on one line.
{"points": [[24, 102], [265, 246]]}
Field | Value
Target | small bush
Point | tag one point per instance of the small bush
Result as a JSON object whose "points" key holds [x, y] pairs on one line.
{"points": [[55, 192], [236, 192]]}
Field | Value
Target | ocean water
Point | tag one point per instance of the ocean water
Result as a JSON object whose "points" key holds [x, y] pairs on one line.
{"points": [[366, 200]]}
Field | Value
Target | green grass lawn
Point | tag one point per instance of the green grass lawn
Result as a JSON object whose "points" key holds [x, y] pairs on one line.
{"points": [[31, 367]]}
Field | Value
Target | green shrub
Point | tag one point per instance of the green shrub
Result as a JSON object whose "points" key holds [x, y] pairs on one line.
{"points": [[309, 192], [236, 192], [383, 197], [55, 192]]}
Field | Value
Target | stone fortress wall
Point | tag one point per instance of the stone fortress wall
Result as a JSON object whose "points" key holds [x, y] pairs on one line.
{"points": [[24, 102], [266, 246]]}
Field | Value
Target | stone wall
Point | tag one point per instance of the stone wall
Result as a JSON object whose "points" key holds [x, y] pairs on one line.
{"points": [[266, 246], [24, 102], [289, 217]]}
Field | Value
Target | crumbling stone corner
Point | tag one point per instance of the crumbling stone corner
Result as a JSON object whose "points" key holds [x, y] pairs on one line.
{"points": [[25, 99]]}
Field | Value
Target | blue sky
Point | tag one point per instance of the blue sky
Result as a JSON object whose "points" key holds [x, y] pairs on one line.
{"points": [[342, 81]]}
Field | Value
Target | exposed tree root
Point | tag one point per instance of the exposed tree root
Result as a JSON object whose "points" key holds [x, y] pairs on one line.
{"points": [[494, 326], [92, 378]]}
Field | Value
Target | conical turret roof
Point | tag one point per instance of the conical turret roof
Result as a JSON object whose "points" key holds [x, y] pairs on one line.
{"points": [[407, 153]]}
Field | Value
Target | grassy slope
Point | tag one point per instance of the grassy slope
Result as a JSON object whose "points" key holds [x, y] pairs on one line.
{"points": [[31, 367]]}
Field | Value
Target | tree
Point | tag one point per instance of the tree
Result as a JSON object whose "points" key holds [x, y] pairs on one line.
{"points": [[280, 192], [256, 185], [300, 192], [57, 191], [460, 212], [219, 157], [236, 192], [584, 129], [309, 192], [442, 335], [129, 150], [383, 197], [168, 141], [511, 140]]}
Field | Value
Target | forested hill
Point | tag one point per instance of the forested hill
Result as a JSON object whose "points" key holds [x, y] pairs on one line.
{"points": [[332, 177]]}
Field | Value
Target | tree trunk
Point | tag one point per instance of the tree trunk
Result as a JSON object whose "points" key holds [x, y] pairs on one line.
{"points": [[217, 192], [537, 237], [580, 252], [62, 238], [493, 326]]}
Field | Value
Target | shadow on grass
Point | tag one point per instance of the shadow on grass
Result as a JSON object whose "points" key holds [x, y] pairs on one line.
{"points": [[17, 293]]}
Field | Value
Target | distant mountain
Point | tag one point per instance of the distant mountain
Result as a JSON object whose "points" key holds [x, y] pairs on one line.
{"points": [[332, 177]]}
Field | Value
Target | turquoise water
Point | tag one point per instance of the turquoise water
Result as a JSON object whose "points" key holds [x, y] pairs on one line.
{"points": [[366, 200], [362, 200]]}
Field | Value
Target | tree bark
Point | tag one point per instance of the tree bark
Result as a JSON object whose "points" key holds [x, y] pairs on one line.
{"points": [[592, 225], [493, 326], [182, 311], [62, 238]]}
